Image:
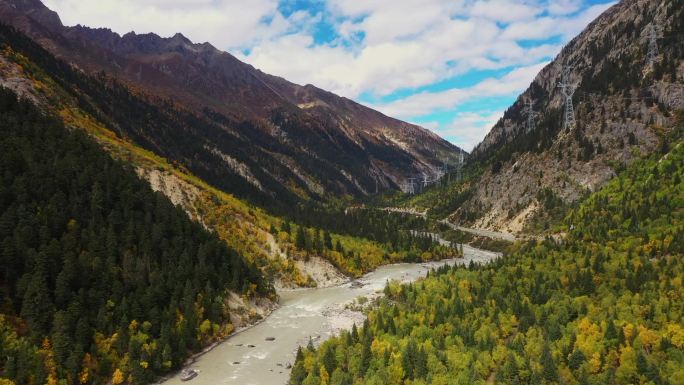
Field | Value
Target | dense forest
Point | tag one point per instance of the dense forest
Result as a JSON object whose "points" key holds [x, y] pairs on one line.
{"points": [[101, 279], [602, 306], [375, 225], [356, 255]]}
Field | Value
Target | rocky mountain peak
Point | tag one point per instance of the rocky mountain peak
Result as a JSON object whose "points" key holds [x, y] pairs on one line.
{"points": [[33, 10]]}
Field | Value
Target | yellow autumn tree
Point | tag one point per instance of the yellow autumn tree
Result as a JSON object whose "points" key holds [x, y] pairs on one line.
{"points": [[325, 377], [395, 373], [49, 362], [627, 369], [117, 377], [595, 362], [676, 334]]}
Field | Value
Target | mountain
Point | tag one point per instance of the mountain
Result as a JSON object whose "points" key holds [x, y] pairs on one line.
{"points": [[323, 238], [624, 110], [270, 138]]}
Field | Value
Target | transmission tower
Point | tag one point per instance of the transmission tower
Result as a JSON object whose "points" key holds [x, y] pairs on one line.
{"points": [[459, 165], [652, 56], [531, 115], [425, 180], [411, 184], [568, 90], [445, 168]]}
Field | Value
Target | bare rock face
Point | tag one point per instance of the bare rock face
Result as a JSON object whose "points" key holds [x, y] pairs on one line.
{"points": [[623, 109], [283, 136]]}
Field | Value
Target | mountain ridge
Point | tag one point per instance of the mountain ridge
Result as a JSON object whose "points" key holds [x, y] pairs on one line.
{"points": [[247, 103]]}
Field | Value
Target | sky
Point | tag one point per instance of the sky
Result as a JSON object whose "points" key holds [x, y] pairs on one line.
{"points": [[452, 66]]}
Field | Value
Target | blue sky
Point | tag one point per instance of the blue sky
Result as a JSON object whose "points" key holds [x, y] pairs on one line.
{"points": [[452, 66]]}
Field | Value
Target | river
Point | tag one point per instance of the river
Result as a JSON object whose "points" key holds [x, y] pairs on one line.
{"points": [[247, 358]]}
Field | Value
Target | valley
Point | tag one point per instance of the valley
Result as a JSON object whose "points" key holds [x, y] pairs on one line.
{"points": [[165, 206], [304, 314]]}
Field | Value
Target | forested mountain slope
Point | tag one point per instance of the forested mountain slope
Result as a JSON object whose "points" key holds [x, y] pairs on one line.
{"points": [[601, 307], [287, 254], [247, 132], [623, 108], [100, 276]]}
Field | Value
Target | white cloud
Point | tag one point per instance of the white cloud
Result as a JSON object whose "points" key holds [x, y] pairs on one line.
{"points": [[468, 128], [547, 26], [563, 7], [413, 43], [380, 46], [504, 11], [428, 102], [224, 23], [402, 20]]}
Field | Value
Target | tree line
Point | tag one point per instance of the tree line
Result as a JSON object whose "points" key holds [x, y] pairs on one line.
{"points": [[355, 255]]}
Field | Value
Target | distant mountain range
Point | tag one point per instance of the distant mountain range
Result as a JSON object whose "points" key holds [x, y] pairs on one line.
{"points": [[245, 131]]}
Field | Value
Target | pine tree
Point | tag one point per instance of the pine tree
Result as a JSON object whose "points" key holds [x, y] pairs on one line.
{"points": [[366, 354], [37, 307], [576, 359], [318, 241], [298, 374], [549, 370], [421, 369], [611, 333], [328, 240], [329, 361], [510, 370], [355, 333], [301, 240], [408, 359]]}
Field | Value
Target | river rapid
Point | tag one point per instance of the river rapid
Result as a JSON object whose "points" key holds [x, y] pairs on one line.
{"points": [[250, 357]]}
